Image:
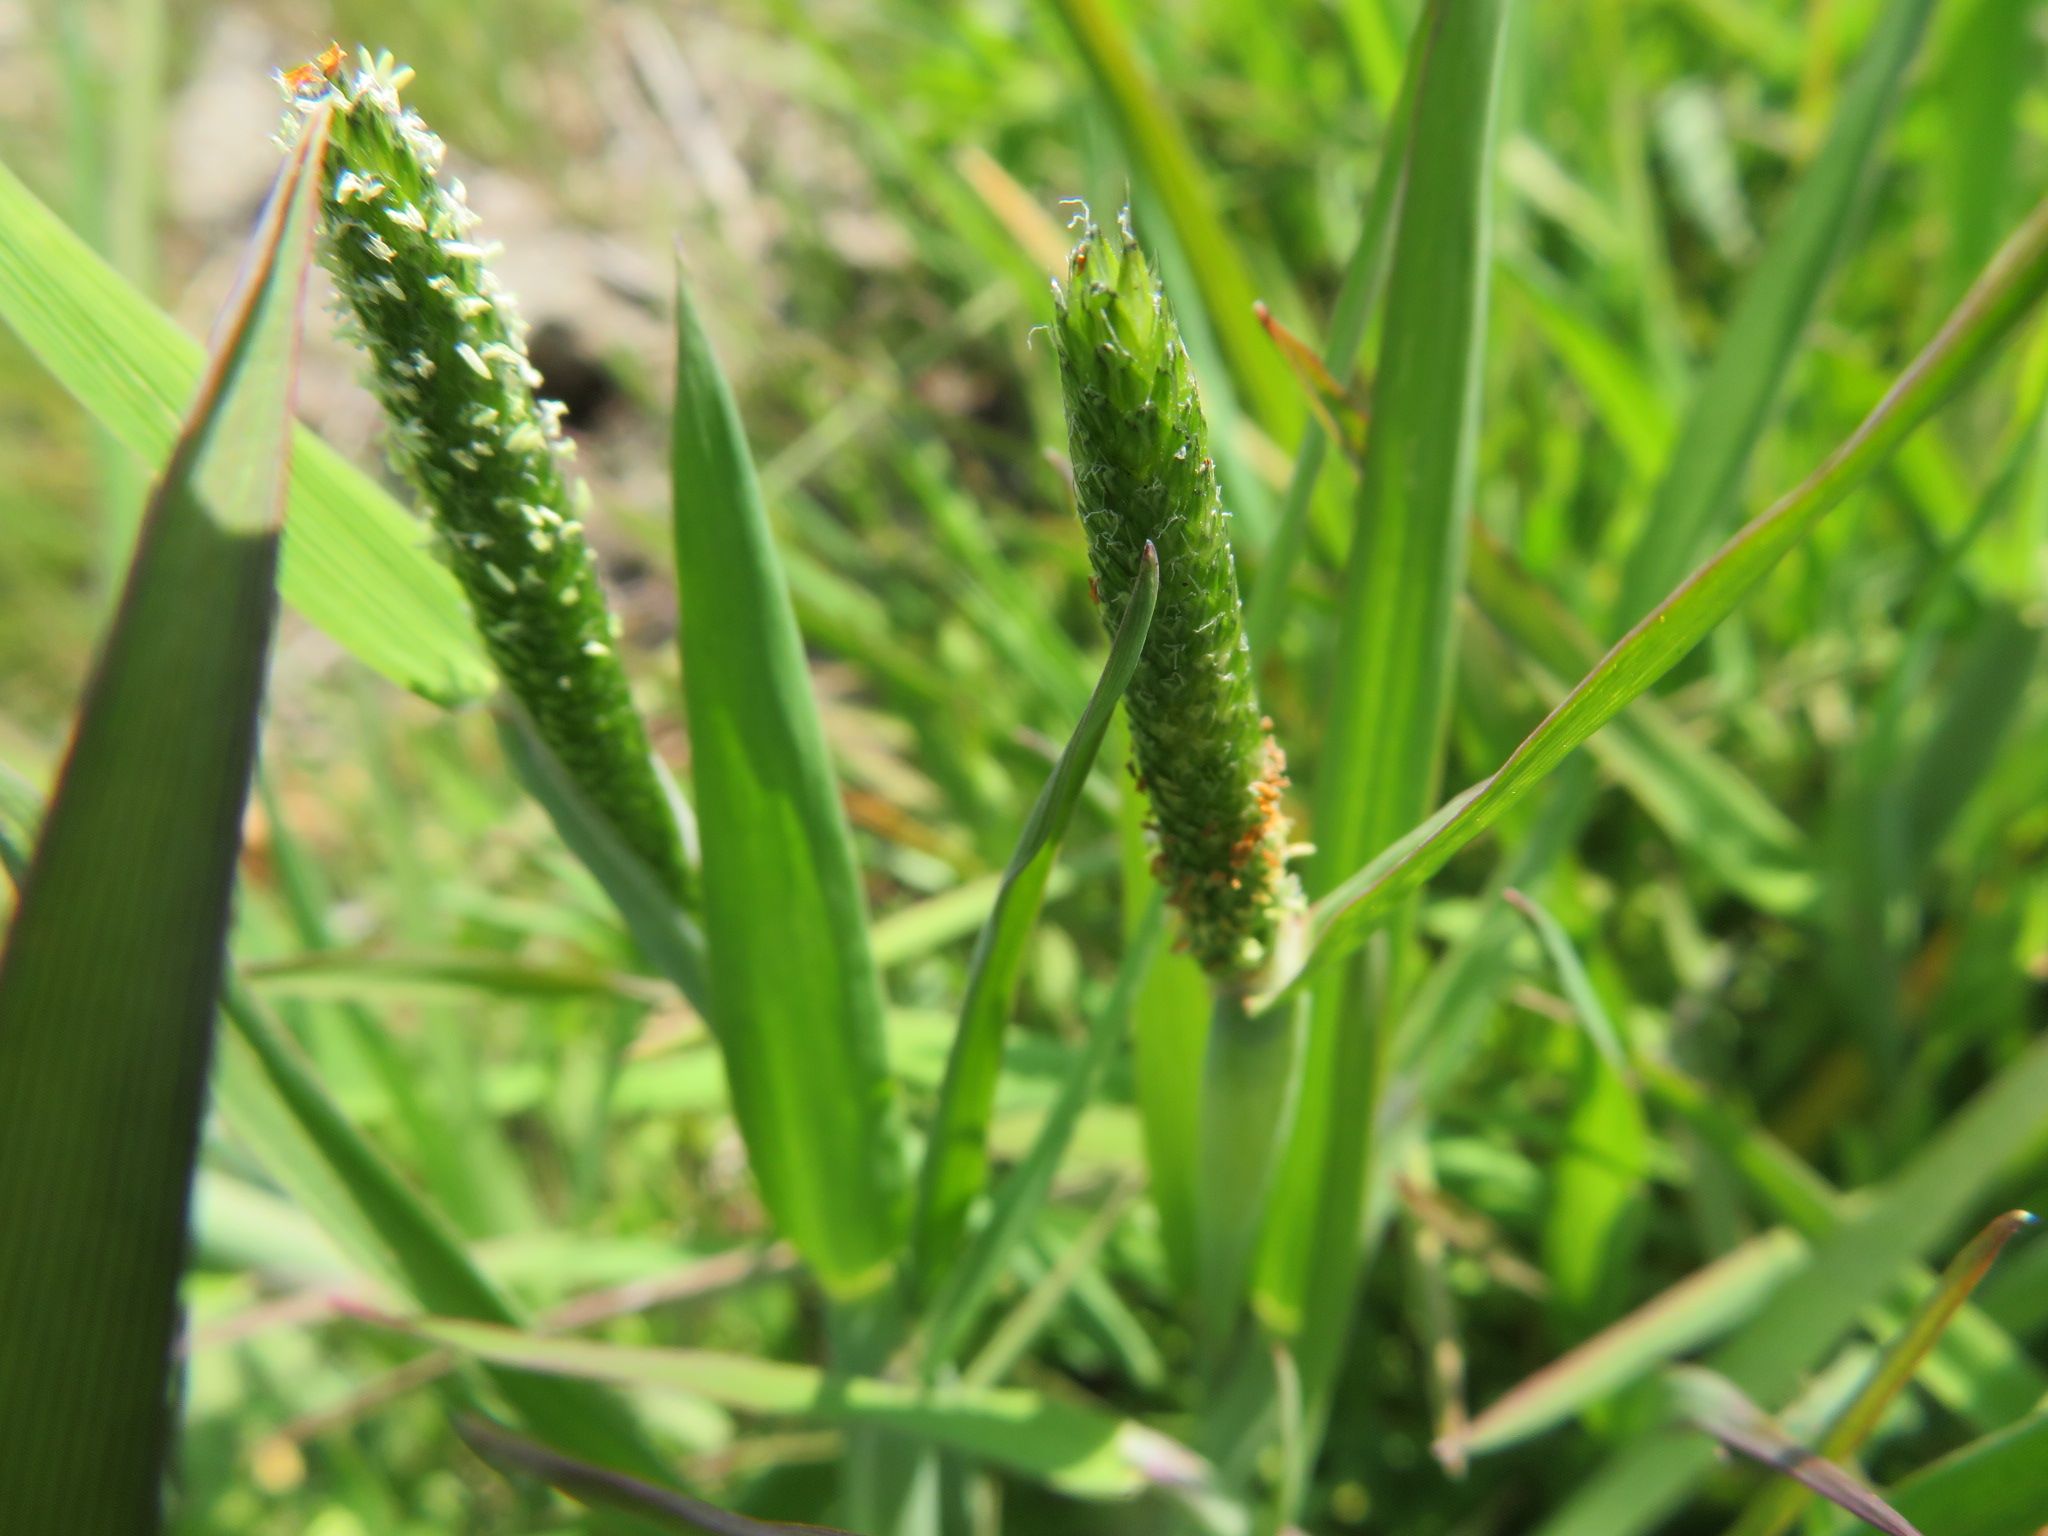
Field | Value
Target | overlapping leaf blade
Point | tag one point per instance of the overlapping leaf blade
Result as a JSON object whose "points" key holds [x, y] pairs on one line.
{"points": [[795, 1000], [1391, 672], [1983, 321], [113, 963], [353, 562], [956, 1157]]}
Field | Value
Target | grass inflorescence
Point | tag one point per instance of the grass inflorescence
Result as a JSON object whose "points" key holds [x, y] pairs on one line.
{"points": [[1206, 756], [468, 429]]}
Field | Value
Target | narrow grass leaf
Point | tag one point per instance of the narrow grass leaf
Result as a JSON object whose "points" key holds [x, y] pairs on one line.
{"points": [[1364, 276], [1593, 1227], [113, 962], [956, 1156], [1012, 1338], [1852, 1267], [1021, 1195], [1727, 416], [1701, 801], [387, 1227], [354, 563], [1717, 1406], [1777, 1507], [473, 976], [1391, 673], [796, 1002], [1977, 1369], [668, 937], [1078, 1450], [606, 1489], [1571, 976], [1699, 1308], [1984, 320]]}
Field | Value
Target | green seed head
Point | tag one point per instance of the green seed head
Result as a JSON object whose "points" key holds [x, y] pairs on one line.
{"points": [[1142, 471], [448, 363]]}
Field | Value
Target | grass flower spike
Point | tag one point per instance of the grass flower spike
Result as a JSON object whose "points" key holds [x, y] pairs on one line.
{"points": [[468, 431], [1206, 756]]}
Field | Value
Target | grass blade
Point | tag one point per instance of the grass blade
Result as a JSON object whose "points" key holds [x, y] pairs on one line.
{"points": [[1364, 275], [796, 1003], [1853, 1266], [1020, 1196], [614, 1490], [353, 562], [1699, 1308], [1727, 417], [1701, 800], [1978, 1370], [1778, 1506], [956, 1157], [1991, 1487], [1593, 1230], [1391, 672], [113, 963], [667, 936], [1717, 1406], [1983, 321], [1080, 1451], [1012, 1339], [377, 1218]]}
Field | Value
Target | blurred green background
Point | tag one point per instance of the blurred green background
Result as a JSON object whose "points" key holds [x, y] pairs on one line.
{"points": [[868, 197]]}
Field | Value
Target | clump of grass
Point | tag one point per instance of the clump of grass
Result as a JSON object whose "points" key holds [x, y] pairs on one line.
{"points": [[1206, 756], [467, 428]]}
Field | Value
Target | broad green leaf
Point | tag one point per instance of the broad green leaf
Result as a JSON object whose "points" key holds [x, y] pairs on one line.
{"points": [[109, 982], [1717, 1406], [1984, 320], [367, 1207], [1850, 1268], [353, 562], [606, 1489], [1776, 1508], [1080, 1451], [795, 1000], [956, 1155], [1703, 479], [1391, 673]]}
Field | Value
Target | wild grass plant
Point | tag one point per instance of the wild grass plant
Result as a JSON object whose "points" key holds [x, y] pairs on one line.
{"points": [[1061, 1062]]}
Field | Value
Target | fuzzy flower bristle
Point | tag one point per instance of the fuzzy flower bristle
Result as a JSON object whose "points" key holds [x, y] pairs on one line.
{"points": [[465, 427], [1206, 756]]}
